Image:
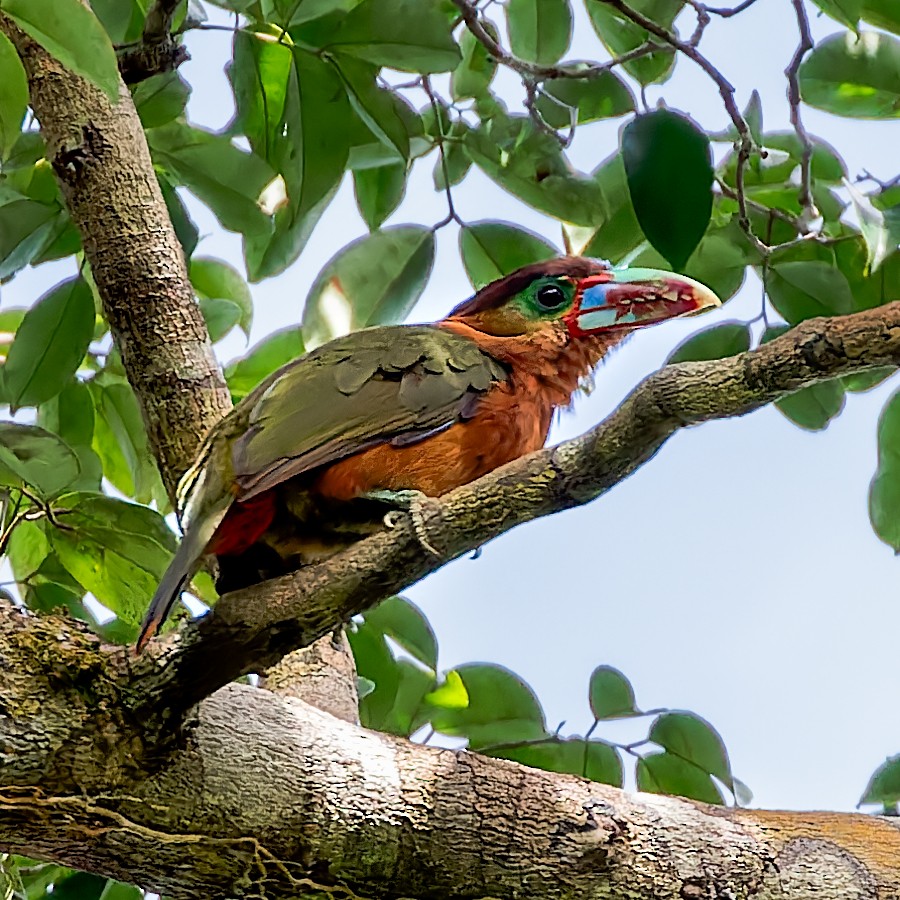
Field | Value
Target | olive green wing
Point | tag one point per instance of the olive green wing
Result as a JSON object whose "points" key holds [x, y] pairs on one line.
{"points": [[394, 384]]}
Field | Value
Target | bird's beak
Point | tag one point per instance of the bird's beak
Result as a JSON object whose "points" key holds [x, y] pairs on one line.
{"points": [[632, 298]]}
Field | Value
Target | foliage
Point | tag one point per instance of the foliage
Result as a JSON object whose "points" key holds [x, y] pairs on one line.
{"points": [[328, 87]]}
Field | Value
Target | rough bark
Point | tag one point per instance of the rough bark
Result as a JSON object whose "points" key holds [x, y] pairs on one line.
{"points": [[103, 167], [263, 796]]}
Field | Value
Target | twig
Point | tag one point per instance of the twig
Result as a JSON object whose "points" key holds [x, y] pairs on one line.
{"points": [[531, 90], [805, 45], [727, 13], [452, 215]]}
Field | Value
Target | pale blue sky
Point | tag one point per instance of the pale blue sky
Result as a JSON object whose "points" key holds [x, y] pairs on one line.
{"points": [[736, 574]]}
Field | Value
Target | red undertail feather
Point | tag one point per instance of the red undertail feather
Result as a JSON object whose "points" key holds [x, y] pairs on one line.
{"points": [[243, 525]]}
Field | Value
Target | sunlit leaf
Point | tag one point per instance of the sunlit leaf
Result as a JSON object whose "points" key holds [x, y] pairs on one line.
{"points": [[491, 250], [477, 67], [403, 621], [374, 280], [664, 773], [49, 344], [693, 740], [13, 98], [884, 785]]}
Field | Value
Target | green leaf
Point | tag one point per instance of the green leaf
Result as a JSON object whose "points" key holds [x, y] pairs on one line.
{"points": [[476, 70], [847, 12], [122, 19], [30, 455], [693, 740], [883, 13], [376, 106], [379, 191], [24, 229], [70, 414], [220, 317], [595, 760], [854, 76], [491, 250], [423, 44], [375, 280], [663, 773], [726, 339], [118, 551], [120, 440], [815, 406], [620, 35], [215, 279], [50, 344], [803, 289], [161, 99], [375, 662], [884, 491], [563, 100], [880, 228], [860, 382], [618, 233], [14, 98], [539, 30], [185, 228], [278, 348], [68, 30], [409, 712], [884, 785], [531, 166], [668, 165], [27, 549], [306, 10], [721, 260], [500, 708], [79, 886], [227, 179], [116, 890], [310, 151], [403, 621], [610, 694]]}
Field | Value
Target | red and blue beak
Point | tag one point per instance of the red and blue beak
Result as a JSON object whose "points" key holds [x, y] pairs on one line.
{"points": [[626, 299]]}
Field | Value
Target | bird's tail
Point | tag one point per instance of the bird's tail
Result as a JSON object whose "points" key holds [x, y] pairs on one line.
{"points": [[196, 537]]}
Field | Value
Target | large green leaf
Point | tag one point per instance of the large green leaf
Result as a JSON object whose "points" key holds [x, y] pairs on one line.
{"points": [[375, 280], [610, 694], [410, 35], [665, 773], [477, 68], [584, 100], [215, 279], [375, 663], [668, 164], [118, 551], [491, 250], [227, 179], [498, 707], [72, 33], [402, 620], [278, 348], [27, 549], [25, 227], [35, 457], [185, 228], [847, 12], [883, 13], [539, 30], [531, 166], [884, 491], [621, 35], [693, 740], [379, 191], [70, 414], [618, 233], [296, 12], [802, 289], [726, 339], [49, 344], [161, 99], [884, 785], [854, 76], [595, 760], [13, 98]]}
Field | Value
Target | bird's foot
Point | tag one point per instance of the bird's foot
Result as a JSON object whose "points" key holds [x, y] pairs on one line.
{"points": [[414, 503]]}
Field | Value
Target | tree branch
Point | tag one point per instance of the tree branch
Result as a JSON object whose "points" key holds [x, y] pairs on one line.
{"points": [[157, 51], [251, 629], [104, 170]]}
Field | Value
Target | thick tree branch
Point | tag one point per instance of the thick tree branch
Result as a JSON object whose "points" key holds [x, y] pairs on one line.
{"points": [[103, 166], [253, 628], [157, 51], [260, 795]]}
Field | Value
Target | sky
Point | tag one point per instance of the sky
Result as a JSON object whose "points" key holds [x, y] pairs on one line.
{"points": [[736, 574]]}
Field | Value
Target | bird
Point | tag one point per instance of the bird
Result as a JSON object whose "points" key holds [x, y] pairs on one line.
{"points": [[395, 412]]}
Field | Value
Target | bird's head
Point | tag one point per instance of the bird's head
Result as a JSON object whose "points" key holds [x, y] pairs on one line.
{"points": [[584, 297]]}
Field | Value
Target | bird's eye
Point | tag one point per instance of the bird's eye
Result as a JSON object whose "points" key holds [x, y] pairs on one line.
{"points": [[549, 296]]}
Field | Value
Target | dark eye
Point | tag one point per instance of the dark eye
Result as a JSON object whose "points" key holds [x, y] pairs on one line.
{"points": [[550, 296]]}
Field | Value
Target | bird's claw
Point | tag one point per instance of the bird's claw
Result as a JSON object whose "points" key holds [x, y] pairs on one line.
{"points": [[416, 504]]}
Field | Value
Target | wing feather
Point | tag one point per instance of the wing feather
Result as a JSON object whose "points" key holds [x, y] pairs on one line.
{"points": [[394, 384]]}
